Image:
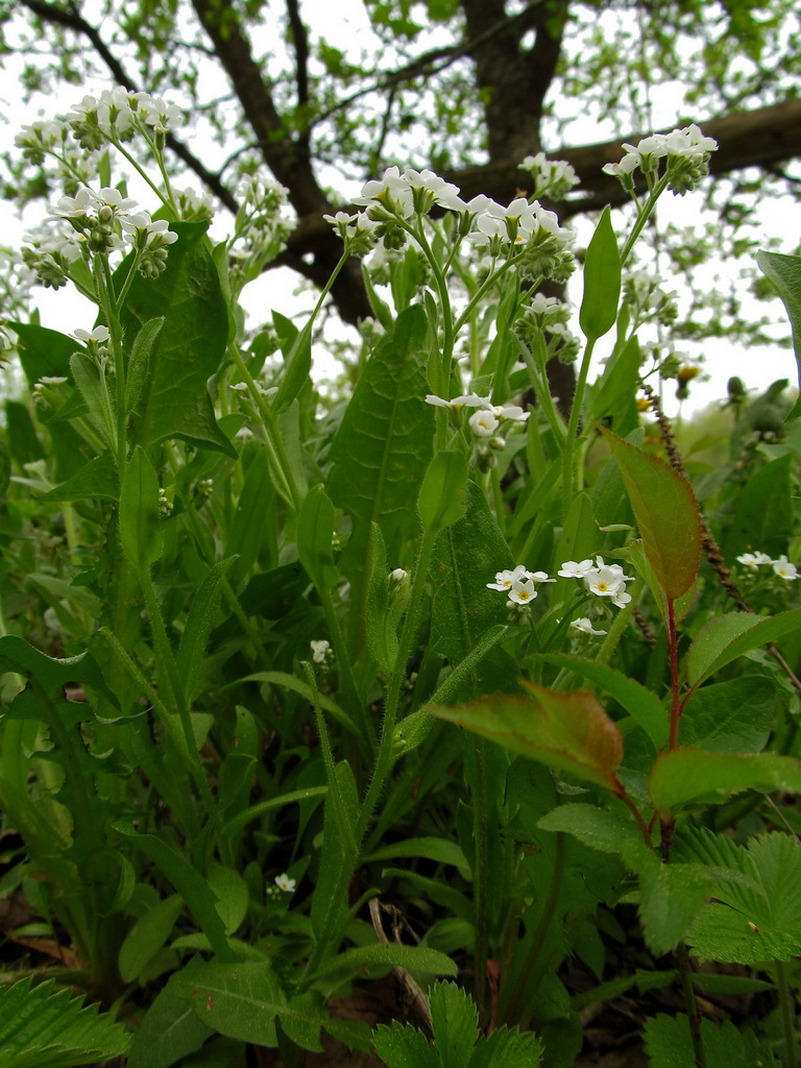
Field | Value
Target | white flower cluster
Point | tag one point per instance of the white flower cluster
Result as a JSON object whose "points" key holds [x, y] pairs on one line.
{"points": [[262, 226], [602, 579], [321, 651], [117, 115], [552, 177], [686, 153], [523, 227], [520, 585], [781, 567], [100, 222], [484, 422]]}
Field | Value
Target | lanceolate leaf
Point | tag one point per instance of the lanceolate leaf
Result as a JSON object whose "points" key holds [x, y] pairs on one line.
{"points": [[785, 273], [174, 400], [666, 513], [601, 281], [566, 731]]}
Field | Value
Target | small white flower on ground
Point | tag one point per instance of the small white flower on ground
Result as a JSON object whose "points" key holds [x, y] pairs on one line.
{"points": [[483, 423], [283, 882], [571, 569], [320, 650], [753, 560], [522, 592], [784, 569], [584, 626]]}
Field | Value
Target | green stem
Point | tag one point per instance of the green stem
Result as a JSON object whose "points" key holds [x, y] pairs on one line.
{"points": [[692, 1005], [788, 1015], [480, 876], [573, 426]]}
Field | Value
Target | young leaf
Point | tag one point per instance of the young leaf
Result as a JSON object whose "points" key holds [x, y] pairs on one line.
{"points": [[666, 513], [139, 361], [567, 731], [147, 936], [601, 281], [41, 1027], [597, 828]]}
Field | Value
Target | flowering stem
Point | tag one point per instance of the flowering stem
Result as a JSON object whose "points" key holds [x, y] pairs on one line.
{"points": [[573, 425], [644, 212], [480, 875]]}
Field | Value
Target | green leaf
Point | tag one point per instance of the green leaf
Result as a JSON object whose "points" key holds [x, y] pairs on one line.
{"points": [[190, 346], [139, 362], [725, 638], [641, 703], [686, 774], [202, 615], [442, 496], [785, 273], [329, 911], [362, 959], [666, 513], [190, 884], [170, 1030], [41, 1027], [567, 731], [601, 280], [297, 357], [440, 850], [315, 537], [147, 936], [140, 524], [97, 480], [671, 896], [246, 531], [508, 1047], [384, 443], [732, 717], [402, 1046], [43, 353], [47, 676], [93, 387], [597, 828], [454, 1022], [763, 511], [758, 918], [244, 1000]]}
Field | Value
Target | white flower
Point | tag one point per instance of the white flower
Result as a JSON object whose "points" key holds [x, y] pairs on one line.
{"points": [[753, 560], [468, 400], [603, 582], [571, 569], [483, 423], [320, 650], [584, 626], [522, 592], [539, 576], [504, 580], [512, 412], [283, 882], [784, 569], [98, 335]]}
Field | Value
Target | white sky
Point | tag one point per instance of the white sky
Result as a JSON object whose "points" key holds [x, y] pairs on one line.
{"points": [[757, 367]]}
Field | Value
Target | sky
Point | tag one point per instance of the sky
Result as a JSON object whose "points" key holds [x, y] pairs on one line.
{"points": [[758, 367]]}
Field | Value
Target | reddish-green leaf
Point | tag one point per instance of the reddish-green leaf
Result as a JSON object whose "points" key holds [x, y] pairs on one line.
{"points": [[666, 513], [567, 731]]}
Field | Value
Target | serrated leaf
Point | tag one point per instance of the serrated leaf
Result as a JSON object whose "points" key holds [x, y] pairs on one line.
{"points": [[402, 1046], [724, 638], [190, 346], [454, 1021], [686, 774], [666, 513], [41, 1027], [601, 280], [567, 731]]}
